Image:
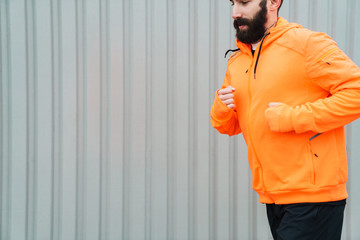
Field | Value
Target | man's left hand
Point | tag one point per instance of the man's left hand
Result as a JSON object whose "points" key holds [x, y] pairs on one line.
{"points": [[275, 117]]}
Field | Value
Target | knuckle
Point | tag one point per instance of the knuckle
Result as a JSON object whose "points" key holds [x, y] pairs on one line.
{"points": [[229, 101]]}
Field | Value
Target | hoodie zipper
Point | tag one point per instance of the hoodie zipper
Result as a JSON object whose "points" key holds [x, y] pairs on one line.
{"points": [[250, 103], [248, 123], [327, 54]]}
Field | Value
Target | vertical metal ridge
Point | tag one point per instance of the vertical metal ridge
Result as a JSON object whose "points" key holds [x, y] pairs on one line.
{"points": [[171, 119], [232, 196], [124, 211], [60, 122], [31, 112], [192, 223], [293, 11], [213, 178], [350, 45], [232, 41], [127, 78], [213, 140], [57, 119], [104, 119], [81, 119], [252, 211], [234, 188], [148, 133], [6, 126], [53, 155], [329, 17], [333, 17], [348, 214], [2, 111], [312, 11], [351, 6]]}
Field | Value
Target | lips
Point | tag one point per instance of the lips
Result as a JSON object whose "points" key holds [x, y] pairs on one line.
{"points": [[242, 27], [241, 23]]}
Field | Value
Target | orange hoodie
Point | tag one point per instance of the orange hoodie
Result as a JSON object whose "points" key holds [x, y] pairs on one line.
{"points": [[296, 150]]}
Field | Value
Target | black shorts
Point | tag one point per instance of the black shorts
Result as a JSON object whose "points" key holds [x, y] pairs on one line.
{"points": [[303, 221]]}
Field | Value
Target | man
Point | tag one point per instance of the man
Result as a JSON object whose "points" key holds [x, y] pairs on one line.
{"points": [[290, 91]]}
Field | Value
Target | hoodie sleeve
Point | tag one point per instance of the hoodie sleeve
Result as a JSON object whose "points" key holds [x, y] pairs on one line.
{"points": [[223, 118], [330, 69]]}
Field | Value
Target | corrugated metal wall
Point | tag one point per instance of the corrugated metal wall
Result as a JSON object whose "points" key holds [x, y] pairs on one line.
{"points": [[105, 129]]}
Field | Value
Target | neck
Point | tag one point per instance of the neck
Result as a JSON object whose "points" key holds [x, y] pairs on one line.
{"points": [[271, 25], [271, 21]]}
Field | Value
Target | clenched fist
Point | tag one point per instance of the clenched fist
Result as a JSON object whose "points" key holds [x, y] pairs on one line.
{"points": [[227, 97]]}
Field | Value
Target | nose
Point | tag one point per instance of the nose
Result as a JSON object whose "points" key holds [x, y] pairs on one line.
{"points": [[236, 11]]}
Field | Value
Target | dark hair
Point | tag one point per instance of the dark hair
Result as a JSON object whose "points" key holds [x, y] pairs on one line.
{"points": [[278, 8]]}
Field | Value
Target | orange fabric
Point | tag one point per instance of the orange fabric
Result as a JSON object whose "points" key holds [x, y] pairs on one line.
{"points": [[319, 87]]}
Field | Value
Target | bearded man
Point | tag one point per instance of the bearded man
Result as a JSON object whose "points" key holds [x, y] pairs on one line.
{"points": [[290, 92]]}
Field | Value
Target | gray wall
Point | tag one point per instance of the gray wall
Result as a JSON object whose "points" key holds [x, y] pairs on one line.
{"points": [[105, 129]]}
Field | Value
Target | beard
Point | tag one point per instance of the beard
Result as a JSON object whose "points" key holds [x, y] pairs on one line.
{"points": [[255, 27]]}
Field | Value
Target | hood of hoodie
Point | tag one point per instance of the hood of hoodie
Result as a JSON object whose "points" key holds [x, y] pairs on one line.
{"points": [[281, 27]]}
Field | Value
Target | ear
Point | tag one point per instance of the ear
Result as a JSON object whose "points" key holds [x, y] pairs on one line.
{"points": [[274, 5]]}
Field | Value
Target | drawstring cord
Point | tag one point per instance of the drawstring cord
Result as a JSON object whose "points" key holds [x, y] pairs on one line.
{"points": [[258, 56], [231, 50], [262, 41]]}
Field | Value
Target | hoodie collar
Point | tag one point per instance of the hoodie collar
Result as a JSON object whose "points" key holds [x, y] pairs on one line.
{"points": [[270, 36]]}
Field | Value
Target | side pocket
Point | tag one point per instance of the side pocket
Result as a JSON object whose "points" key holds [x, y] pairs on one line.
{"points": [[313, 157]]}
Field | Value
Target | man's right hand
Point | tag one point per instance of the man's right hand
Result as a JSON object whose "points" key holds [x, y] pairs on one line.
{"points": [[227, 97]]}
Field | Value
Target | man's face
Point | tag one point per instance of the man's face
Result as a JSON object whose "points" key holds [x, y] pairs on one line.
{"points": [[250, 18]]}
